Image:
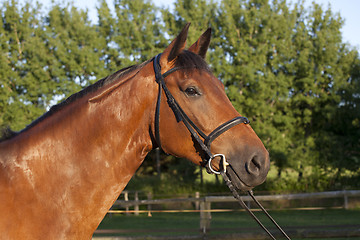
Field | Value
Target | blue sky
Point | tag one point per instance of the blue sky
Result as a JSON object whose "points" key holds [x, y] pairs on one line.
{"points": [[348, 10]]}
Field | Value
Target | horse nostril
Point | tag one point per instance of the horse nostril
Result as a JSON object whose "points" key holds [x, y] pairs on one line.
{"points": [[253, 166]]}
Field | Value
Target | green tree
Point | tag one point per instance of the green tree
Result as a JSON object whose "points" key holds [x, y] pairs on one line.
{"points": [[285, 67], [22, 97], [337, 139], [138, 33], [323, 69], [200, 13], [75, 47], [44, 59]]}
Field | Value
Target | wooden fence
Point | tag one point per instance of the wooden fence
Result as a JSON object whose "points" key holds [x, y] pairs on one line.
{"points": [[203, 204]]}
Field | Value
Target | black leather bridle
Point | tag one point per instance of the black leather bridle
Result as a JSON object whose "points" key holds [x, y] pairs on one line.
{"points": [[205, 144], [180, 115]]}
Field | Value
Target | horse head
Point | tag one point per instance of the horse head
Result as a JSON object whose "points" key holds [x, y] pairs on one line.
{"points": [[196, 120]]}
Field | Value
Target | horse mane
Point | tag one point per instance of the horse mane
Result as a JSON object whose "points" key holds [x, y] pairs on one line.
{"points": [[6, 133], [186, 60]]}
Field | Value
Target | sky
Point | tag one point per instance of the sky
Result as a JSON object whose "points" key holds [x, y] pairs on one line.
{"points": [[348, 10]]}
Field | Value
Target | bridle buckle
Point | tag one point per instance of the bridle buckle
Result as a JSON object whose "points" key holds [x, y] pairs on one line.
{"points": [[223, 164]]}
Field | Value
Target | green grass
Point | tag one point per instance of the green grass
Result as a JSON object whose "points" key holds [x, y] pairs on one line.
{"points": [[235, 222]]}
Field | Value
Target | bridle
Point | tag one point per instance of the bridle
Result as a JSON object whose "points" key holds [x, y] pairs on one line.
{"points": [[190, 125], [205, 144]]}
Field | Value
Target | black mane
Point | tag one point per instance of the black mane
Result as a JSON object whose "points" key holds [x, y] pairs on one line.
{"points": [[186, 60]]}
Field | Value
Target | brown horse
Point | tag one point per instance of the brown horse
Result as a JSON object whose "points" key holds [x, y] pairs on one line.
{"points": [[61, 174]]}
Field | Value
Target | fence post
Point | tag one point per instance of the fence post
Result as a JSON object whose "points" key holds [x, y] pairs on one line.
{"points": [[248, 204], [205, 216], [149, 197], [136, 208], [197, 196], [126, 199], [346, 200]]}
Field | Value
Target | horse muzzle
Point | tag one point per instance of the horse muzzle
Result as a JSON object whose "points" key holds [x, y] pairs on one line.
{"points": [[248, 172]]}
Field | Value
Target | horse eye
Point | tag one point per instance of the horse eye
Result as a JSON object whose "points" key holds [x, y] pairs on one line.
{"points": [[192, 91]]}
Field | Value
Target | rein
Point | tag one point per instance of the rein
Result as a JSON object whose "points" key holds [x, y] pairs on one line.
{"points": [[205, 144], [241, 202]]}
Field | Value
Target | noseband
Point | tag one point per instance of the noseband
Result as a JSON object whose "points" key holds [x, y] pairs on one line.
{"points": [[195, 131], [205, 144]]}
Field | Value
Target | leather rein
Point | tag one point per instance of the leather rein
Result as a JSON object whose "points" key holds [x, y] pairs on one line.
{"points": [[205, 144]]}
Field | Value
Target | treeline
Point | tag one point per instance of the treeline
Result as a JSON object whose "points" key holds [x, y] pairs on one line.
{"points": [[285, 67]]}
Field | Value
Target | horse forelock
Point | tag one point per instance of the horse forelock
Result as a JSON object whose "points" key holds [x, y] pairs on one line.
{"points": [[189, 60]]}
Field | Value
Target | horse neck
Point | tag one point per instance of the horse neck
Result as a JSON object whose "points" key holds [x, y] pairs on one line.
{"points": [[87, 151]]}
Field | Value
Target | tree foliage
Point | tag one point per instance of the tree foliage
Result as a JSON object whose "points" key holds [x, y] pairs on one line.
{"points": [[284, 66]]}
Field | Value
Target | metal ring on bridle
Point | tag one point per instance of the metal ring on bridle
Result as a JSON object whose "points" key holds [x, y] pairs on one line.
{"points": [[223, 163]]}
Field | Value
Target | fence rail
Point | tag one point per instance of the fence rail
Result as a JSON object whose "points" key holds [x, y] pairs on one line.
{"points": [[203, 204], [345, 194]]}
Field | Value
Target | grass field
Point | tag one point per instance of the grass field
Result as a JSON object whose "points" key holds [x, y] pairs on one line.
{"points": [[181, 224]]}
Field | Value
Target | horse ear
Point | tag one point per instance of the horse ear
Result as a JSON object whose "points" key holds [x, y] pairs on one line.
{"points": [[175, 47], [201, 46]]}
